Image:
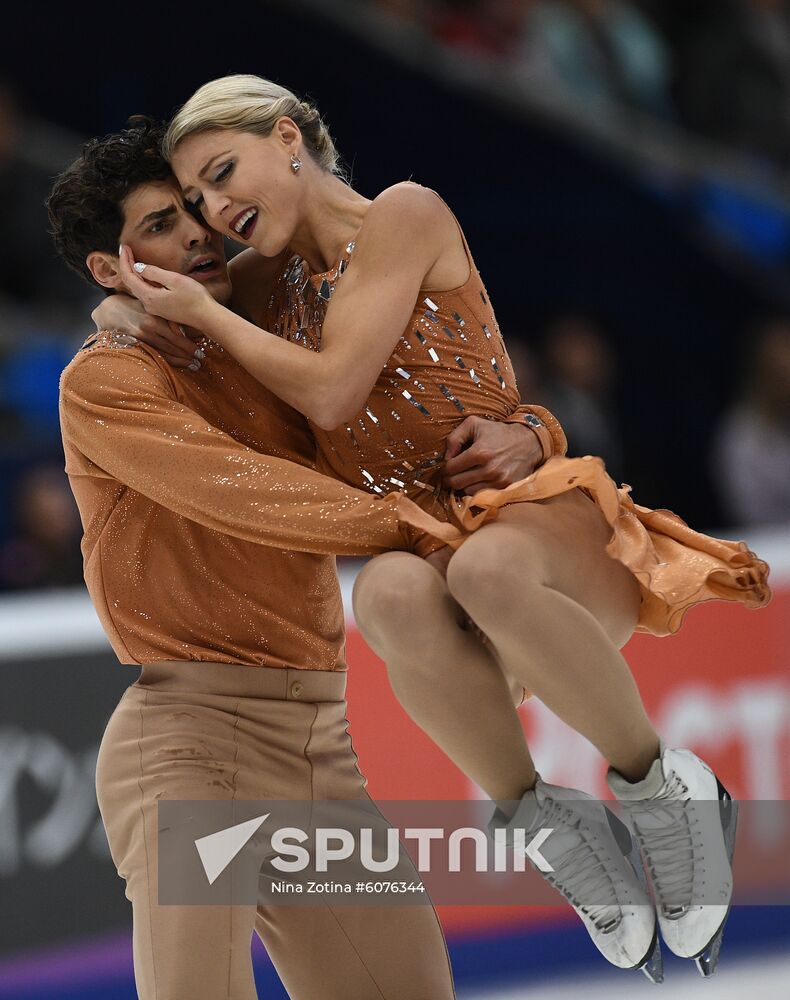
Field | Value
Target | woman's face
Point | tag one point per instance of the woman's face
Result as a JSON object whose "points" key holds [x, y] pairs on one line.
{"points": [[243, 184]]}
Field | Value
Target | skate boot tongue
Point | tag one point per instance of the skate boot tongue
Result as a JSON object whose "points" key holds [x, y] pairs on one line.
{"points": [[632, 791]]}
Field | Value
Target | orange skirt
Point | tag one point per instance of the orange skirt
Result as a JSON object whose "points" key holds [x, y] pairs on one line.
{"points": [[676, 566]]}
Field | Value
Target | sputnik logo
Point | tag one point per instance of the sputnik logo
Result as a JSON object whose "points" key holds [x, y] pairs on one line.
{"points": [[217, 850]]}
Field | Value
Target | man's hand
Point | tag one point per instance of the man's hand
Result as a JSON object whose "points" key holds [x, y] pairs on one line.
{"points": [[484, 453], [126, 316], [172, 296]]}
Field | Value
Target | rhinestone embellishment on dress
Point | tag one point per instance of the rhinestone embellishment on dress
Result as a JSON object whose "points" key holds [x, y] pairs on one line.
{"points": [[369, 450]]}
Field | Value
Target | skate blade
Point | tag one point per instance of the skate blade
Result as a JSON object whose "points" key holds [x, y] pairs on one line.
{"points": [[653, 968], [708, 959]]}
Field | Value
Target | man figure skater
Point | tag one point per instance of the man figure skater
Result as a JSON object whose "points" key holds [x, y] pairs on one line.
{"points": [[208, 547]]}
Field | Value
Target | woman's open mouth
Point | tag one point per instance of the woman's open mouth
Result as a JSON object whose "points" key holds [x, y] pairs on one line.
{"points": [[244, 223]]}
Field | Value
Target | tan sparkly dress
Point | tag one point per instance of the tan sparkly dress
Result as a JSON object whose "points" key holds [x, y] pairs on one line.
{"points": [[450, 363]]}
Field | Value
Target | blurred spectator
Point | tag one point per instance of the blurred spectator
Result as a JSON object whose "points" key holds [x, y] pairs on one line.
{"points": [[722, 67], [42, 548], [580, 376], [733, 74], [599, 52], [527, 369], [484, 27], [750, 457], [408, 10]]}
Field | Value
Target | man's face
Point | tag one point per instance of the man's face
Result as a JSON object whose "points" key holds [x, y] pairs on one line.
{"points": [[160, 231]]}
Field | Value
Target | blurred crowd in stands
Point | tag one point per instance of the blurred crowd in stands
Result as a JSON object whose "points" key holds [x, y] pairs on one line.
{"points": [[720, 68], [608, 54], [573, 371], [43, 309]]}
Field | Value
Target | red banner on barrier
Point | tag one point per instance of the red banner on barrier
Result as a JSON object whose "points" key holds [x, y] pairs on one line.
{"points": [[720, 687]]}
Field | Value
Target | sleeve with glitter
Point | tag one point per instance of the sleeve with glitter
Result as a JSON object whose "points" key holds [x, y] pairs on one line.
{"points": [[545, 425], [120, 411]]}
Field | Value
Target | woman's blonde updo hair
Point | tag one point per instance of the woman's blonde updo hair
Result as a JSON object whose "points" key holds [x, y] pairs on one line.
{"points": [[251, 104]]}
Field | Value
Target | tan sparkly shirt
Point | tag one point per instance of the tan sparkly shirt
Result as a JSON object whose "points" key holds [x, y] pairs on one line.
{"points": [[201, 540]]}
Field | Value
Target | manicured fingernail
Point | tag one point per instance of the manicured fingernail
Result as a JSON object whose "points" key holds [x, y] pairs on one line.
{"points": [[140, 267], [194, 366], [200, 354], [181, 328], [120, 250], [124, 339]]}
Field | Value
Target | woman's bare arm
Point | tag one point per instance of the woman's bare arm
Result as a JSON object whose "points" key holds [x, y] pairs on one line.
{"points": [[405, 232]]}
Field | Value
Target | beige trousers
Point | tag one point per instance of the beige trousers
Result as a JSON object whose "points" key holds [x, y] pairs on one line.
{"points": [[188, 730]]}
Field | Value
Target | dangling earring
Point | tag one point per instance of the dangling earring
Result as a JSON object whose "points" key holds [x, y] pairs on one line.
{"points": [[296, 163]]}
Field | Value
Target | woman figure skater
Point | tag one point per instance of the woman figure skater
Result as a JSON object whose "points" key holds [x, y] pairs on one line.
{"points": [[381, 332]]}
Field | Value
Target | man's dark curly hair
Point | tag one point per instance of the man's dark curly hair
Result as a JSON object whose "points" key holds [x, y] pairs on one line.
{"points": [[85, 204]]}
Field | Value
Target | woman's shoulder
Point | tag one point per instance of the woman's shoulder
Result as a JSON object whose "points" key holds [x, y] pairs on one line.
{"points": [[412, 227], [407, 201], [408, 216]]}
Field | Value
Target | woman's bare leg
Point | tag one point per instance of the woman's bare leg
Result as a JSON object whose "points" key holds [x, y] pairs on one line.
{"points": [[557, 608], [443, 675]]}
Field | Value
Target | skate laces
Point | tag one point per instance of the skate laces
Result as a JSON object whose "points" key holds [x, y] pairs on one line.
{"points": [[578, 872], [663, 831]]}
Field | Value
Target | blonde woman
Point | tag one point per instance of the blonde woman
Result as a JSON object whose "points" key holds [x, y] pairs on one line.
{"points": [[381, 332]]}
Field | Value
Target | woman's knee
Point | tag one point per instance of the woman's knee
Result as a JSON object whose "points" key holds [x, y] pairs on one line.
{"points": [[500, 571], [492, 568], [396, 591]]}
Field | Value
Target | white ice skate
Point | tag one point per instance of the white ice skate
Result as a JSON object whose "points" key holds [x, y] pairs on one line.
{"points": [[596, 867], [685, 821]]}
